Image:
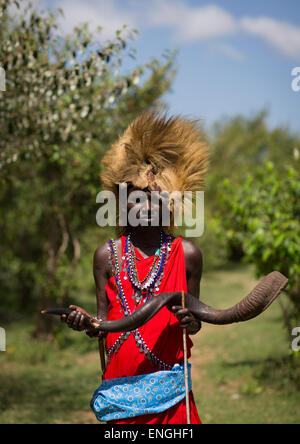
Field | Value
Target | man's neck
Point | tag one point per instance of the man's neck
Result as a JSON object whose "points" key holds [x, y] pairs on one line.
{"points": [[146, 238]]}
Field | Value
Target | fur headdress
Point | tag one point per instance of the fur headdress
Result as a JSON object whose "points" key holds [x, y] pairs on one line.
{"points": [[165, 154]]}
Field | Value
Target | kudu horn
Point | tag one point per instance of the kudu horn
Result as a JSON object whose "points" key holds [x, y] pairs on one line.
{"points": [[265, 292]]}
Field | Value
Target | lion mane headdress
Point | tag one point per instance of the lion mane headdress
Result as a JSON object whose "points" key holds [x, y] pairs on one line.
{"points": [[163, 154]]}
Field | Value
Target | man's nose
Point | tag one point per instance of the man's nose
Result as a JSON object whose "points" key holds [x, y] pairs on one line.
{"points": [[148, 203], [146, 206]]}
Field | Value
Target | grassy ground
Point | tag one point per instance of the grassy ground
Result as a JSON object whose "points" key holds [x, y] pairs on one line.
{"points": [[241, 373]]}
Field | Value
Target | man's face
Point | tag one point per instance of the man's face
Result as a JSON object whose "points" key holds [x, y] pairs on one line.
{"points": [[141, 203]]}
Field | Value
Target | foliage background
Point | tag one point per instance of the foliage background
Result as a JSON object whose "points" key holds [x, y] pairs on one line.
{"points": [[67, 100]]}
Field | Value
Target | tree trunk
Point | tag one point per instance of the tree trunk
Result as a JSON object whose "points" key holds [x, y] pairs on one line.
{"points": [[44, 325]]}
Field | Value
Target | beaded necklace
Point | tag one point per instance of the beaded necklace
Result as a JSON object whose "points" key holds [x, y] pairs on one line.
{"points": [[150, 284], [121, 297]]}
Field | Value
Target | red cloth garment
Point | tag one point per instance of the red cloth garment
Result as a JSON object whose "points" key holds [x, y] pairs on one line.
{"points": [[162, 334]]}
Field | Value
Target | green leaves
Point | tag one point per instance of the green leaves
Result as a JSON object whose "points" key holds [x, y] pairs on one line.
{"points": [[54, 84], [67, 101], [262, 213]]}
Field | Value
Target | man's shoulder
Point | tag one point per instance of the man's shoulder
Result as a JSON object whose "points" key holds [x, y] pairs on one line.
{"points": [[102, 252], [192, 254], [190, 248]]}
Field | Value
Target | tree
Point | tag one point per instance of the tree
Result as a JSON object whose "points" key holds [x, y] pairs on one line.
{"points": [[65, 103], [240, 144], [264, 214]]}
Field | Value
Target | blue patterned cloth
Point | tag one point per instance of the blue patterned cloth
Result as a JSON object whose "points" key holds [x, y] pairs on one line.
{"points": [[131, 396]]}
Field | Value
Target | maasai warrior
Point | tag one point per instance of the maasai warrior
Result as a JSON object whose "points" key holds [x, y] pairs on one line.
{"points": [[141, 276], [154, 154]]}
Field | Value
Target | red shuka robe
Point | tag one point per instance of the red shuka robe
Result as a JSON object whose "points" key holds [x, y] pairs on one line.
{"points": [[162, 334]]}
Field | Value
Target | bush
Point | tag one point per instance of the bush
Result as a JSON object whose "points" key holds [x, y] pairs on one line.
{"points": [[263, 213]]}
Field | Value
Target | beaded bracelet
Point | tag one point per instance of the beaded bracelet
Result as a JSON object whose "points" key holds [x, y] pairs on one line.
{"points": [[97, 335]]}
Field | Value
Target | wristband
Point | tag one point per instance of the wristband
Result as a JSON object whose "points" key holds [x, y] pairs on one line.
{"points": [[97, 335]]}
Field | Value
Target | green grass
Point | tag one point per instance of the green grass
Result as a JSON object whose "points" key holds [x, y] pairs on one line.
{"points": [[242, 373], [47, 383]]}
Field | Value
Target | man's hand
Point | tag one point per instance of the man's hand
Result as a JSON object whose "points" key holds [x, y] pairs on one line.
{"points": [[78, 319], [186, 318]]}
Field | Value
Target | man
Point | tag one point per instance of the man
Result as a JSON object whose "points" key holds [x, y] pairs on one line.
{"points": [[154, 154]]}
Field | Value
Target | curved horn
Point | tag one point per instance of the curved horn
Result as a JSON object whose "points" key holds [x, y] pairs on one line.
{"points": [[265, 292], [56, 311]]}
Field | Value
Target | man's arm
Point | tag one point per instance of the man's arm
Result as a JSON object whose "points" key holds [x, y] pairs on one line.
{"points": [[193, 264], [101, 276], [76, 320]]}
